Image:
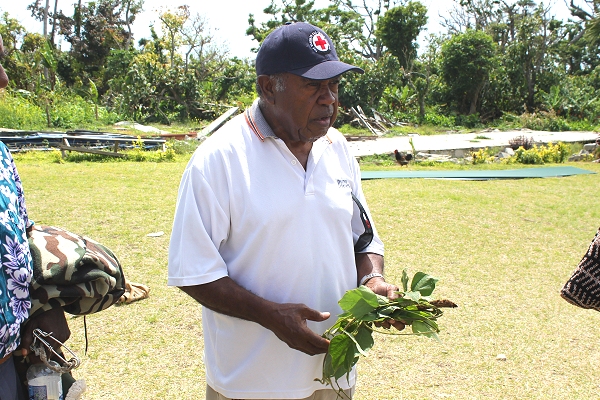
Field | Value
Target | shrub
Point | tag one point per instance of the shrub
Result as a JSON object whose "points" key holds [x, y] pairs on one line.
{"points": [[521, 141], [437, 119], [139, 153], [19, 112], [530, 156], [552, 153], [72, 111], [544, 121], [469, 121], [183, 146], [482, 156]]}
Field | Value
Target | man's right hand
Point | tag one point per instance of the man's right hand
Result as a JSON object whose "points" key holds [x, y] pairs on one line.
{"points": [[286, 320], [288, 323]]}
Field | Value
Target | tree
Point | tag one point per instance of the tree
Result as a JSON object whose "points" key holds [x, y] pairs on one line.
{"points": [[466, 61], [95, 29], [289, 11], [398, 30], [589, 14], [172, 24], [531, 45], [351, 27], [131, 8], [43, 14], [12, 33]]}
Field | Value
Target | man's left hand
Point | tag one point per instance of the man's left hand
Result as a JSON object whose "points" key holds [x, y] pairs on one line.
{"points": [[381, 287]]}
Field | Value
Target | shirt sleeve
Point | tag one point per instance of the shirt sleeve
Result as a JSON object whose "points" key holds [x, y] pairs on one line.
{"points": [[200, 225]]}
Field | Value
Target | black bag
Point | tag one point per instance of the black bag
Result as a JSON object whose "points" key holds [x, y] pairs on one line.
{"points": [[583, 288]]}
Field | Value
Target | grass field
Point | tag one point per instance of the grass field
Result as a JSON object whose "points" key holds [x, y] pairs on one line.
{"points": [[501, 249]]}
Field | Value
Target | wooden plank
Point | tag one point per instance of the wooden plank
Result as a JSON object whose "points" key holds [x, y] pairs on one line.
{"points": [[354, 138], [217, 123], [364, 122], [119, 140], [88, 150]]}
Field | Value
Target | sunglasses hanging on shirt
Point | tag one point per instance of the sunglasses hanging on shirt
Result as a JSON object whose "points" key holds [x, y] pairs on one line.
{"points": [[366, 238]]}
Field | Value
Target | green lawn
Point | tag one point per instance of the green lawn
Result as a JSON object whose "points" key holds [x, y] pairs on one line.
{"points": [[501, 249]]}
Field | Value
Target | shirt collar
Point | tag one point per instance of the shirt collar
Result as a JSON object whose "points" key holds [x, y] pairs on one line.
{"points": [[258, 123]]}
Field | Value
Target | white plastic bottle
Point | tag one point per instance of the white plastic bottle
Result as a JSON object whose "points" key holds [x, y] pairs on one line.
{"points": [[43, 383]]}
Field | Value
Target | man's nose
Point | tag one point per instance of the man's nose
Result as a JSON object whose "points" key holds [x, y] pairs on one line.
{"points": [[326, 95]]}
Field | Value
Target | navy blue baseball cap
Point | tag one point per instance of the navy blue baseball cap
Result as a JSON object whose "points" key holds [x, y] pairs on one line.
{"points": [[300, 49]]}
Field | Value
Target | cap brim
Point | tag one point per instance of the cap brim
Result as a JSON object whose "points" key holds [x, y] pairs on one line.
{"points": [[326, 70]]}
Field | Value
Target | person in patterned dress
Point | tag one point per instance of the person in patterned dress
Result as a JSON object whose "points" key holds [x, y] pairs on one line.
{"points": [[15, 275]]}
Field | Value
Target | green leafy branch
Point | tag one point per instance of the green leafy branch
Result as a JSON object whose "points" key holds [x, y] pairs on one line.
{"points": [[363, 310]]}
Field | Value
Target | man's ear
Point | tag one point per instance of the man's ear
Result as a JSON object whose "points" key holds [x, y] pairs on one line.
{"points": [[267, 87]]}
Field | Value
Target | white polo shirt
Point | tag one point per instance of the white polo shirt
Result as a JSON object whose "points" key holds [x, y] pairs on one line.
{"points": [[247, 209]]}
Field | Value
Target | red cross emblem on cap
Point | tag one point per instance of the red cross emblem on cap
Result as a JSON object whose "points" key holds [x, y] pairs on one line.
{"points": [[318, 42]]}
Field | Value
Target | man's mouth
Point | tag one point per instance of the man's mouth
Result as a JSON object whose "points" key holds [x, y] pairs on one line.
{"points": [[324, 120]]}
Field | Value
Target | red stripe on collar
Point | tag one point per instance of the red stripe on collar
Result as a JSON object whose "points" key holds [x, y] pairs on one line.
{"points": [[252, 125]]}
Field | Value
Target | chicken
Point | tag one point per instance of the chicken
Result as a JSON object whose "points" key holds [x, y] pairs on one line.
{"points": [[402, 158]]}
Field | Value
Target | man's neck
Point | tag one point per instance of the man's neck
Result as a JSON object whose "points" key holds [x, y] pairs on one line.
{"points": [[299, 149]]}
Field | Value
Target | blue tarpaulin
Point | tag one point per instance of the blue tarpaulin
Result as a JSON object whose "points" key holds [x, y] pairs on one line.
{"points": [[542, 172]]}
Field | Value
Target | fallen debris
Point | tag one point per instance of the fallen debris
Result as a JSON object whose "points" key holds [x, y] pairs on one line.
{"points": [[155, 234], [371, 124], [217, 123], [139, 127]]}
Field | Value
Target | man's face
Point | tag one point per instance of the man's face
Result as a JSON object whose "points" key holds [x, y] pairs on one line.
{"points": [[3, 77], [306, 108]]}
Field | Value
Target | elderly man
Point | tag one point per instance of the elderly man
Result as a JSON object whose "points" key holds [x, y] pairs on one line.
{"points": [[15, 276], [266, 234]]}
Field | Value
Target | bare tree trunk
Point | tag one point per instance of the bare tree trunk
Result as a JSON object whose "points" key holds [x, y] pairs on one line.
{"points": [[46, 31], [54, 23], [475, 98], [48, 115], [128, 42], [46, 18]]}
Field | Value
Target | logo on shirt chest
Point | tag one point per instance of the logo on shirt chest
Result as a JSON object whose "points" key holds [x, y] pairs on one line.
{"points": [[343, 183]]}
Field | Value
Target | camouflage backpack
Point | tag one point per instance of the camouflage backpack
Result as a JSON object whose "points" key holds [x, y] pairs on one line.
{"points": [[73, 272]]}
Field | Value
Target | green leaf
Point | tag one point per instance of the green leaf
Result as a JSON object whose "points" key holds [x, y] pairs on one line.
{"points": [[93, 92], [423, 283], [364, 337], [386, 311], [372, 316], [421, 328], [414, 296], [382, 300], [48, 56], [404, 280], [327, 367], [359, 301], [405, 302], [344, 354], [358, 347]]}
